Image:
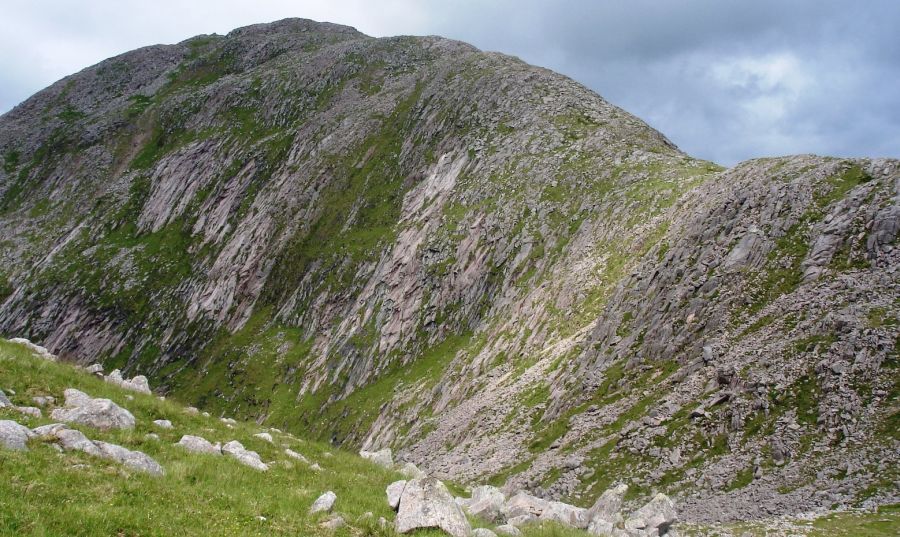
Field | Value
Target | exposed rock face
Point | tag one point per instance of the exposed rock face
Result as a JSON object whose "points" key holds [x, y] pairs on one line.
{"points": [[102, 414], [426, 503], [474, 261]]}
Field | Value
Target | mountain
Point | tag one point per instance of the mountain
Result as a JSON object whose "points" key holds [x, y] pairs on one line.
{"points": [[407, 242]]}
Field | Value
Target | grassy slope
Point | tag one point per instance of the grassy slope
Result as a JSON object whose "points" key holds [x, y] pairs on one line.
{"points": [[44, 492]]}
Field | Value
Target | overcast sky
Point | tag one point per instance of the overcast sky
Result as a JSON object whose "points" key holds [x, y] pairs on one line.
{"points": [[724, 80]]}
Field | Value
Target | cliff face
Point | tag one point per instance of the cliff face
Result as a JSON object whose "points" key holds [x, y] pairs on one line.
{"points": [[409, 242]]}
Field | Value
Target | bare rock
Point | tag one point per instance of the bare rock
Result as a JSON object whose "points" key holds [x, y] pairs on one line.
{"points": [[264, 436], [102, 414], [507, 529], [426, 503], [163, 424], [323, 503], [383, 457], [249, 458], [14, 436], [198, 444], [655, 518], [135, 460], [394, 491]]}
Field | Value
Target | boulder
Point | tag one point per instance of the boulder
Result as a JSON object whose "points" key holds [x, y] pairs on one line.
{"points": [[102, 414], [36, 349], [604, 514], [137, 384], [655, 518], [249, 458], [323, 503], [382, 458], [94, 369], [4, 401], [523, 504], [412, 471], [42, 400], [294, 455], [132, 459], [32, 411], [426, 503], [486, 503], [265, 436], [483, 532], [199, 444], [521, 520], [163, 424], [507, 529], [74, 440], [575, 517], [192, 411], [334, 522], [394, 491], [14, 436]]}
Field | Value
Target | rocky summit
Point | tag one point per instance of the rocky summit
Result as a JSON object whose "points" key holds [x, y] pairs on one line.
{"points": [[412, 244]]}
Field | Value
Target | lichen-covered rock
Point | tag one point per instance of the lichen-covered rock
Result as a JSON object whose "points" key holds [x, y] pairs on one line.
{"points": [[605, 513], [294, 455], [264, 436], [394, 491], [246, 457], [14, 435], [483, 532], [36, 349], [426, 503], [198, 444], [486, 503], [382, 457], [523, 504], [102, 414], [163, 424], [132, 459], [654, 518], [506, 529], [74, 440], [323, 503], [412, 471]]}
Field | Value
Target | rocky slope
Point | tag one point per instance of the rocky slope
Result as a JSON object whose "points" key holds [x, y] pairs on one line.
{"points": [[408, 242]]}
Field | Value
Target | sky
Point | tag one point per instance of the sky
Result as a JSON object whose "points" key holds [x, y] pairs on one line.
{"points": [[725, 80]]}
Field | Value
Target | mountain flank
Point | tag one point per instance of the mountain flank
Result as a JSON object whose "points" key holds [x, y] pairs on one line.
{"points": [[409, 243]]}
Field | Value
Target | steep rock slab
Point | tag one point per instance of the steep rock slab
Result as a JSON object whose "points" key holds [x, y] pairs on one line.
{"points": [[426, 503]]}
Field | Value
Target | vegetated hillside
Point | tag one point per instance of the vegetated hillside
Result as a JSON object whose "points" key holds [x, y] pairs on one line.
{"points": [[408, 242]]}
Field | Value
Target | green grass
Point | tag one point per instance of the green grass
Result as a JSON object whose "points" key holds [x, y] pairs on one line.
{"points": [[45, 492]]}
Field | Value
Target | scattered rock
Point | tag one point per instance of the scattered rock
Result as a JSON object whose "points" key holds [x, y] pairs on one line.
{"points": [[4, 401], [163, 424], [198, 444], [426, 503], [36, 349], [382, 458], [191, 411], [323, 503], [250, 458], [102, 414], [265, 436], [564, 513], [94, 369], [604, 514], [655, 518], [294, 455], [507, 529], [137, 384], [132, 459], [32, 411], [412, 471], [483, 532], [523, 504], [151, 436], [521, 520], [394, 492], [41, 400], [486, 503], [334, 522], [14, 436]]}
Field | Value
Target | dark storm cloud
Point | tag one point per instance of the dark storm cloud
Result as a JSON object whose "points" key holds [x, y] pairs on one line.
{"points": [[725, 80]]}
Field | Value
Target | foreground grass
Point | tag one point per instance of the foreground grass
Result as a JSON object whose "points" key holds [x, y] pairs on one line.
{"points": [[45, 492]]}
